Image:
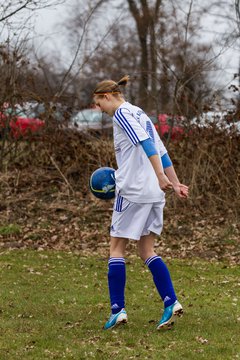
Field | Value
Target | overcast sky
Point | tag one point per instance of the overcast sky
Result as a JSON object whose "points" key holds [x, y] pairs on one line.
{"points": [[51, 35]]}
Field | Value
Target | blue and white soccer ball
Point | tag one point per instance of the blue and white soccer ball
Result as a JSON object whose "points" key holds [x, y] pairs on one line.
{"points": [[102, 183]]}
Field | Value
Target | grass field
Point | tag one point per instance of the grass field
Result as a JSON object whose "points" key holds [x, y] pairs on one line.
{"points": [[53, 306]]}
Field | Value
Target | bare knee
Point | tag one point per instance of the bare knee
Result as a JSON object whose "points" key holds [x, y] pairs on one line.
{"points": [[146, 253], [117, 247], [146, 247]]}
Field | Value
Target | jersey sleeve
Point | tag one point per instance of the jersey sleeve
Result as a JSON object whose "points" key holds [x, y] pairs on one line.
{"points": [[130, 125]]}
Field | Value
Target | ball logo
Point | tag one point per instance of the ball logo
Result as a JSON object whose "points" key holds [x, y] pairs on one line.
{"points": [[108, 187]]}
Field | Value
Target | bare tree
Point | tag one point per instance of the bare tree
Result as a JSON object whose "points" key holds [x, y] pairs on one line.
{"points": [[185, 64], [228, 40], [117, 56], [85, 21], [237, 10], [146, 17], [88, 38], [14, 7], [170, 61], [17, 77]]}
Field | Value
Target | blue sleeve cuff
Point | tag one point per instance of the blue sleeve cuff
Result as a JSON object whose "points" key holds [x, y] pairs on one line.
{"points": [[166, 161], [149, 147]]}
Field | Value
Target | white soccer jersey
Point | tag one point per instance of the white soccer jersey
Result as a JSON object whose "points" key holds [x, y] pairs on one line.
{"points": [[135, 177]]}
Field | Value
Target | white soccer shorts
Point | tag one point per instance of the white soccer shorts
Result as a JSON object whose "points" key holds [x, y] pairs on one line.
{"points": [[132, 220]]}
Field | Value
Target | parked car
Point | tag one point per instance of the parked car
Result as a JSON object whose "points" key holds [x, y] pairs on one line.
{"points": [[91, 119], [220, 120], [15, 123], [55, 111], [208, 119], [168, 125]]}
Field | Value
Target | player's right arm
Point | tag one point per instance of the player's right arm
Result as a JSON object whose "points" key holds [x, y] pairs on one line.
{"points": [[153, 156], [181, 190], [163, 180]]}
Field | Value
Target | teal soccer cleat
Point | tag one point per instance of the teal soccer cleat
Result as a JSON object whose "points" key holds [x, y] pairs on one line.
{"points": [[169, 315], [116, 319]]}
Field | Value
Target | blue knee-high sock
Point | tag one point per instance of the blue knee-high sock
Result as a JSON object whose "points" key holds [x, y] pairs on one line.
{"points": [[162, 279], [116, 283]]}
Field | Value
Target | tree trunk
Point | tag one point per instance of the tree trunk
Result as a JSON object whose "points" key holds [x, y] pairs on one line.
{"points": [[146, 19], [142, 23]]}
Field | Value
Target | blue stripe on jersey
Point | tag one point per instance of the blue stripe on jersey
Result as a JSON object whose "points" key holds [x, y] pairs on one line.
{"points": [[126, 126], [149, 130]]}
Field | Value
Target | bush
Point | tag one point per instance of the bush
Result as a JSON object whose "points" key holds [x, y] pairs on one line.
{"points": [[207, 160]]}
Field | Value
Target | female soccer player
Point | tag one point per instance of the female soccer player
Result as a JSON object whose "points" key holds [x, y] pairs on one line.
{"points": [[144, 172]]}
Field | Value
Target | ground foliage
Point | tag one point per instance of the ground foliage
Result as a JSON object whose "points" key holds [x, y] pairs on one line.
{"points": [[45, 200]]}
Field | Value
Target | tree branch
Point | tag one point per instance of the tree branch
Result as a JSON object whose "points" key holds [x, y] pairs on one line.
{"points": [[237, 9], [15, 11]]}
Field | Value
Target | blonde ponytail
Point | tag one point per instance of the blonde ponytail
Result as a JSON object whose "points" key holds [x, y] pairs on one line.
{"points": [[124, 80], [110, 86]]}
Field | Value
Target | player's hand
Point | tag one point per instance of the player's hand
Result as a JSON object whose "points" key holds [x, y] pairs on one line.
{"points": [[181, 190], [164, 183]]}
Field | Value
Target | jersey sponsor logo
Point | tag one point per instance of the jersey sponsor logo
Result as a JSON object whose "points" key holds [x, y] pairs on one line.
{"points": [[139, 113]]}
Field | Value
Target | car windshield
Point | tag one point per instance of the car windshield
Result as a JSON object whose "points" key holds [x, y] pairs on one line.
{"points": [[35, 110], [15, 112], [88, 115]]}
